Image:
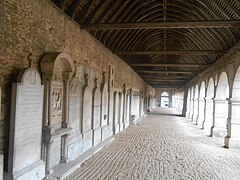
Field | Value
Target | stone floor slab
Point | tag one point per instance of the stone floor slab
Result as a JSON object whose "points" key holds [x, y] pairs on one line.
{"points": [[163, 145]]}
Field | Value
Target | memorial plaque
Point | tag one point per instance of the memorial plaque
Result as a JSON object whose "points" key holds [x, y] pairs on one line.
{"points": [[96, 109], [104, 106], [26, 124], [87, 110], [74, 104], [56, 103]]}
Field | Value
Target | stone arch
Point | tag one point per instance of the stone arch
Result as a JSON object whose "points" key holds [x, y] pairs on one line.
{"points": [[236, 85], [234, 130], [221, 106], [202, 93], [222, 90], [57, 68], [208, 121], [57, 71], [56, 64]]}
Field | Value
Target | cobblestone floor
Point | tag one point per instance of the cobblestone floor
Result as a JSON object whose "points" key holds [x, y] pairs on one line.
{"points": [[162, 146]]}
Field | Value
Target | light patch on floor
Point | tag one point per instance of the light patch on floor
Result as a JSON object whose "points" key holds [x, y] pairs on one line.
{"points": [[162, 146]]}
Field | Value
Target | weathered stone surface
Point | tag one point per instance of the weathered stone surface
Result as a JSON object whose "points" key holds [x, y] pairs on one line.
{"points": [[135, 105], [87, 140], [27, 110], [104, 100], [32, 28], [97, 136], [107, 131], [1, 153]]}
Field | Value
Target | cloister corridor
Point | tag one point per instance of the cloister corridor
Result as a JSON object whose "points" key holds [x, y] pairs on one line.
{"points": [[163, 145]]}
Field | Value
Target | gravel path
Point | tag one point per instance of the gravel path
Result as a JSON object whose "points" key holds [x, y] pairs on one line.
{"points": [[162, 146]]}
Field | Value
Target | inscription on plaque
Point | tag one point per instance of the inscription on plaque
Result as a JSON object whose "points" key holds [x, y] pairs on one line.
{"points": [[87, 110], [26, 122]]}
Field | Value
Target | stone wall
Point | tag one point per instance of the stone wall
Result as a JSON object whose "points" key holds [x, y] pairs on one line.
{"points": [[31, 28]]}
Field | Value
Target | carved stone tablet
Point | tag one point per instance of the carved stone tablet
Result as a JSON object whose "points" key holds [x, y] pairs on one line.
{"points": [[26, 127]]}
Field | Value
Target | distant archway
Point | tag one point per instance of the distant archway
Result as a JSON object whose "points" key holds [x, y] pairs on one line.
{"points": [[164, 99], [221, 106], [208, 122]]}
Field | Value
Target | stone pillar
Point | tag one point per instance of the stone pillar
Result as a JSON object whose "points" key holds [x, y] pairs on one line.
{"points": [[220, 117], [233, 124], [196, 111], [201, 112], [185, 103], [208, 122], [192, 109]]}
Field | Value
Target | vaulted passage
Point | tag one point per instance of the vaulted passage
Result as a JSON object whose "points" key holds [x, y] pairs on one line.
{"points": [[162, 146], [74, 74]]}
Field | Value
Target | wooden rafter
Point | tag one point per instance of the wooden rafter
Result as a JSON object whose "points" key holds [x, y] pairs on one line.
{"points": [[168, 65], [73, 8], [165, 77], [164, 80], [181, 52], [165, 72], [165, 25]]}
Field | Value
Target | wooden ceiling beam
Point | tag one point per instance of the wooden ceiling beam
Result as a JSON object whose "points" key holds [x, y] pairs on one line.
{"points": [[165, 80], [165, 77], [180, 52], [164, 25], [63, 4], [168, 65], [165, 72]]}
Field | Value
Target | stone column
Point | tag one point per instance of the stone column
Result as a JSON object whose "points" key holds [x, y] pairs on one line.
{"points": [[66, 80], [192, 109], [196, 111], [201, 112], [220, 117], [208, 121], [233, 123]]}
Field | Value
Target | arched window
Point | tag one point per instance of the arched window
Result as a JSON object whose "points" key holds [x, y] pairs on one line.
{"points": [[164, 99]]}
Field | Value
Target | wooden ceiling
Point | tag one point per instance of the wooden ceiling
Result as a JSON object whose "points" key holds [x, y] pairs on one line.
{"points": [[167, 42]]}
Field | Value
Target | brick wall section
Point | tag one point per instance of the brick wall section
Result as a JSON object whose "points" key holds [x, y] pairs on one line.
{"points": [[37, 27]]}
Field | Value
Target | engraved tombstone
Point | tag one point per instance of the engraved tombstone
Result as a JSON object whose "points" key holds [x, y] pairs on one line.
{"points": [[104, 103], [87, 115], [96, 114], [75, 138], [26, 127]]}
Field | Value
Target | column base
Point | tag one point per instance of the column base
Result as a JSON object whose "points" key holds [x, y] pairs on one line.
{"points": [[219, 132], [232, 142]]}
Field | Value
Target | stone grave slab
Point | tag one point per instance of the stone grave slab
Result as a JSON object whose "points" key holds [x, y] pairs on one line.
{"points": [[25, 142]]}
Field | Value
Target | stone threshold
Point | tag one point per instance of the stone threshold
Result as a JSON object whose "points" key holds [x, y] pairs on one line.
{"points": [[62, 170]]}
